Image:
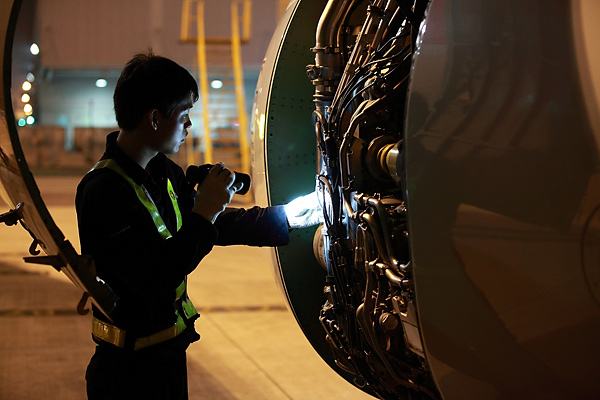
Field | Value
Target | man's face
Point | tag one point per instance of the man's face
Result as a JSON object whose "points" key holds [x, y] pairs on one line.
{"points": [[173, 130]]}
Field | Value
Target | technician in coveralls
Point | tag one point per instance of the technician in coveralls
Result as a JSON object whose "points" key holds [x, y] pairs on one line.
{"points": [[147, 229]]}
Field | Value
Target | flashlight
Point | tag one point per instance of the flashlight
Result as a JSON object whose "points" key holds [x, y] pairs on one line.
{"points": [[195, 174]]}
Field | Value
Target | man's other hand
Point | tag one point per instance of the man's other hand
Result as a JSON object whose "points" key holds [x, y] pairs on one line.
{"points": [[304, 211], [215, 192]]}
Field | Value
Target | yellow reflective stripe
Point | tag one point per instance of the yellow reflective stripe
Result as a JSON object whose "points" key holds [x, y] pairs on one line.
{"points": [[188, 308], [142, 195], [180, 290], [116, 336], [161, 336], [173, 197], [180, 324], [147, 201], [108, 332]]}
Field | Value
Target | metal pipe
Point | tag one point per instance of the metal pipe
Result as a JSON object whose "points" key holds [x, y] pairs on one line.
{"points": [[388, 13], [361, 43], [376, 233], [376, 204], [340, 33], [393, 278], [328, 61], [356, 119], [330, 22]]}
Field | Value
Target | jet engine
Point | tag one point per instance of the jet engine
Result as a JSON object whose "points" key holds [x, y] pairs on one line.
{"points": [[453, 147]]}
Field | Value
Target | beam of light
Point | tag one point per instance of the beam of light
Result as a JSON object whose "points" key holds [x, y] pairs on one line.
{"points": [[304, 211]]}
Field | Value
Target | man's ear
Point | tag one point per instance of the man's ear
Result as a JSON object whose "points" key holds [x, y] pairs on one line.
{"points": [[154, 119]]}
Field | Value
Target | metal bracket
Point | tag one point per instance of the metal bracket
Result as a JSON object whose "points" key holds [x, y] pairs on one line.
{"points": [[81, 309], [55, 261], [13, 216], [33, 247], [16, 215]]}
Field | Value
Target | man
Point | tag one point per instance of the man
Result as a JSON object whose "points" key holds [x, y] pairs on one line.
{"points": [[147, 229]]}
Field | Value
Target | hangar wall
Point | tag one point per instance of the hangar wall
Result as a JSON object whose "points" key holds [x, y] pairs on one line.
{"points": [[101, 34], [81, 41]]}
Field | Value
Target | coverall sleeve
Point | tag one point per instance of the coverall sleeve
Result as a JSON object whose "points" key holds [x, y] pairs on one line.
{"points": [[255, 226], [120, 235]]}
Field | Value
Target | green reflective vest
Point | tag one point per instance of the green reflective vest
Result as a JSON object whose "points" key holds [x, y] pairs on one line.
{"points": [[143, 196]]}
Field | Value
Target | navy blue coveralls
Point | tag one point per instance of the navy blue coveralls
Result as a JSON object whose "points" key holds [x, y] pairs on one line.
{"points": [[145, 270]]}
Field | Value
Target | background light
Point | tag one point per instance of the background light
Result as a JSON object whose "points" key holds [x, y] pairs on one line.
{"points": [[101, 83], [30, 77], [34, 49], [22, 122], [25, 98], [28, 109], [216, 84], [30, 120], [26, 86]]}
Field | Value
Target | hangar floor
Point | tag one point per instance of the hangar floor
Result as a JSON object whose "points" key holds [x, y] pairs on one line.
{"points": [[251, 346]]}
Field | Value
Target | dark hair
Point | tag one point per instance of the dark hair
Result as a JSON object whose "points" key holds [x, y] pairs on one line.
{"points": [[149, 82]]}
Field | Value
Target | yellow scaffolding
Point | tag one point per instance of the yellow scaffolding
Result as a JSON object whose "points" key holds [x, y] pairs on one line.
{"points": [[236, 40], [246, 25], [238, 73], [203, 76]]}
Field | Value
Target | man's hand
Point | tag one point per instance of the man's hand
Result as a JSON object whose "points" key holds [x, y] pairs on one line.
{"points": [[215, 192], [304, 211]]}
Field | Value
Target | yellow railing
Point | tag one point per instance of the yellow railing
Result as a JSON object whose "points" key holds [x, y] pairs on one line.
{"points": [[203, 76], [185, 25], [238, 73], [236, 40]]}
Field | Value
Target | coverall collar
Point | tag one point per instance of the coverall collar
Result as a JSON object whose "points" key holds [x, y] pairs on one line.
{"points": [[131, 168]]}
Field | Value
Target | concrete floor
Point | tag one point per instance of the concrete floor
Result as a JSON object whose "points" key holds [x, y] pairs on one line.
{"points": [[251, 347]]}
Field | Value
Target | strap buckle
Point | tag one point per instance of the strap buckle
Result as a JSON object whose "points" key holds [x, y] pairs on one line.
{"points": [[116, 336]]}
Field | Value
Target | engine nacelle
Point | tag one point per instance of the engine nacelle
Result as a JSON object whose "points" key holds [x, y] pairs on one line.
{"points": [[454, 145]]}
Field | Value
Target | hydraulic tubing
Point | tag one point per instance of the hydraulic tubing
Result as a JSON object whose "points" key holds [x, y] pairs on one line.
{"points": [[328, 59]]}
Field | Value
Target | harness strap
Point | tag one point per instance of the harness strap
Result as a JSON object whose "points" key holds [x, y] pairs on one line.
{"points": [[173, 197], [116, 336], [183, 305], [186, 304], [145, 198]]}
